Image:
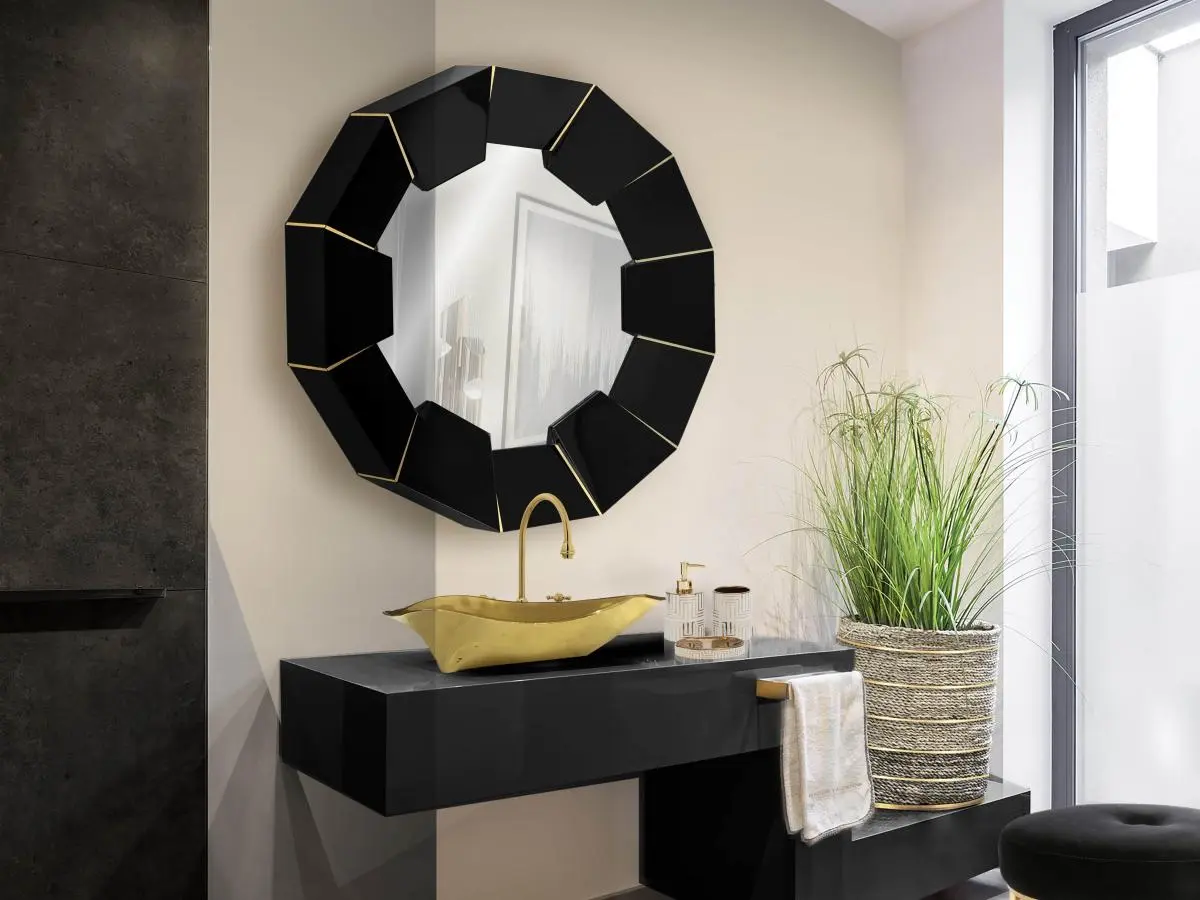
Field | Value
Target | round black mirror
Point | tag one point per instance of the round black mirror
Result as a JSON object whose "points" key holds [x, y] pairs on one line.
{"points": [[544, 322]]}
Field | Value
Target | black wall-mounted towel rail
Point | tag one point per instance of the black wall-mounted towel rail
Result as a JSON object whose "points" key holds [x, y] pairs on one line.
{"points": [[140, 595]]}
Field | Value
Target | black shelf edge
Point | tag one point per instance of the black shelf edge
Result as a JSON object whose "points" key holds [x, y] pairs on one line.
{"points": [[886, 821], [55, 595]]}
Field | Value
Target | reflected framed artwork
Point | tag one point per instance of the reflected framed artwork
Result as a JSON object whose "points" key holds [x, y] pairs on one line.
{"points": [[565, 337]]}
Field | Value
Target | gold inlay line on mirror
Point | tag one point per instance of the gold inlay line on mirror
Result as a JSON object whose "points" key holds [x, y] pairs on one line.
{"points": [[652, 340], [331, 230], [499, 518], [492, 87], [328, 368], [652, 168], [674, 445], [572, 119], [650, 259], [579, 481], [403, 153], [403, 456]]}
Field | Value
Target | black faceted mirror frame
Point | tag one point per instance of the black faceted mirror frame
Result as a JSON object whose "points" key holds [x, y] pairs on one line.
{"points": [[339, 295]]}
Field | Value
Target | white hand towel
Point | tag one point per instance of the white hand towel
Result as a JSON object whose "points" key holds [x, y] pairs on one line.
{"points": [[826, 775]]}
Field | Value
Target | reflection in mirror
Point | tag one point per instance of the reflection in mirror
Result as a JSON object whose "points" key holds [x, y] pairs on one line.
{"points": [[506, 296]]}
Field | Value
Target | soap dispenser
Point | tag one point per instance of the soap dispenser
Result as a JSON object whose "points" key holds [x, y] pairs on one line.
{"points": [[686, 614]]}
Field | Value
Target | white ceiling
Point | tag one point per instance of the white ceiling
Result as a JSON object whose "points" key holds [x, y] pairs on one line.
{"points": [[903, 18]]}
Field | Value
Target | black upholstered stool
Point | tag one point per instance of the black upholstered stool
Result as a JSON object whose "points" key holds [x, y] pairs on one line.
{"points": [[1104, 852]]}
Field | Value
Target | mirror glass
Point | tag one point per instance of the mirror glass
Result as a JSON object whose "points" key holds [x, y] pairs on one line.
{"points": [[506, 296]]}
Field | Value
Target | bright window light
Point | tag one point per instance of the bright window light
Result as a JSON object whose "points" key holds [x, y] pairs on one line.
{"points": [[1177, 39]]}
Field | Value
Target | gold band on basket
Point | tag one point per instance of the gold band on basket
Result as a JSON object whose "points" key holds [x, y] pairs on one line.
{"points": [[954, 688], [932, 807], [970, 751], [972, 721], [920, 651]]}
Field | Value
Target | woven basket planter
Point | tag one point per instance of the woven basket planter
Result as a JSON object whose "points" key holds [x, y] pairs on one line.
{"points": [[931, 704]]}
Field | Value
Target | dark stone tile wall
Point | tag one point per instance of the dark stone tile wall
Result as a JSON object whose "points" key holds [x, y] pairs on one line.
{"points": [[103, 163], [102, 432], [103, 264], [104, 149], [102, 781]]}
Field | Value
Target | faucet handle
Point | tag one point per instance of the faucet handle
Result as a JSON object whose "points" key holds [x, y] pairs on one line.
{"points": [[558, 598]]}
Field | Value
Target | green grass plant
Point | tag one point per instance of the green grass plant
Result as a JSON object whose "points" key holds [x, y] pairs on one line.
{"points": [[913, 525]]}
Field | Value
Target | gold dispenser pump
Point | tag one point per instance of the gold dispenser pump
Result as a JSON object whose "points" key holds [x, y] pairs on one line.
{"points": [[684, 584]]}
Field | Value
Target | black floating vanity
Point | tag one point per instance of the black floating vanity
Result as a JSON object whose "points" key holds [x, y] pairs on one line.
{"points": [[392, 732]]}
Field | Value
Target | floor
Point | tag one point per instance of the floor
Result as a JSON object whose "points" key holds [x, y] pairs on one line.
{"points": [[985, 887]]}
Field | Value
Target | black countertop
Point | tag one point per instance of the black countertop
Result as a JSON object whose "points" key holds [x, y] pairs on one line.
{"points": [[394, 733], [415, 670]]}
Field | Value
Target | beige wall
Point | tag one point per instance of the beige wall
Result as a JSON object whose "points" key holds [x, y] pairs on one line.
{"points": [[1028, 243], [954, 239], [303, 555], [786, 118]]}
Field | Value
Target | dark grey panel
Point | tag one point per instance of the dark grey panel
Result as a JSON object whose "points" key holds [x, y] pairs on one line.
{"points": [[102, 781], [102, 428], [105, 137]]}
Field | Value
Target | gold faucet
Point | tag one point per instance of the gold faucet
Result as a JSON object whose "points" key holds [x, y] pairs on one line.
{"points": [[568, 549]]}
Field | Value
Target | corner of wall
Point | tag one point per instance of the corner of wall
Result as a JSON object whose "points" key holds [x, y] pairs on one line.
{"points": [[304, 556], [1028, 194]]}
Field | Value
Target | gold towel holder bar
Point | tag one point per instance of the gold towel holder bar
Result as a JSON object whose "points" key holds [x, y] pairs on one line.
{"points": [[767, 689], [771, 690]]}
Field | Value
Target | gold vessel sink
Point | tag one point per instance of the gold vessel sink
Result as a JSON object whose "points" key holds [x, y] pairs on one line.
{"points": [[464, 632], [469, 632]]}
